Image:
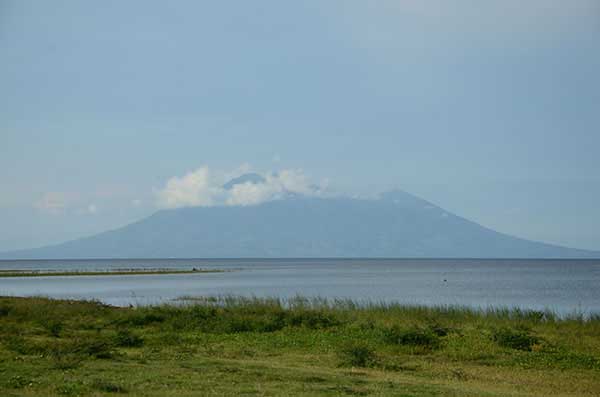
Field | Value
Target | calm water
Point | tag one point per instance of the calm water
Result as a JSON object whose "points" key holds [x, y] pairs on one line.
{"points": [[564, 286]]}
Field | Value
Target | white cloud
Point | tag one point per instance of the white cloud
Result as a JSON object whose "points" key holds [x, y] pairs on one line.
{"points": [[204, 187], [250, 193], [193, 189], [92, 208], [292, 181]]}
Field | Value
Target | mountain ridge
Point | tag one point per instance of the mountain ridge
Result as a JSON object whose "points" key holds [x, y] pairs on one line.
{"points": [[397, 224]]}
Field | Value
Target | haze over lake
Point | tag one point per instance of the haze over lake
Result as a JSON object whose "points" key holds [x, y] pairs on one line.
{"points": [[564, 286]]}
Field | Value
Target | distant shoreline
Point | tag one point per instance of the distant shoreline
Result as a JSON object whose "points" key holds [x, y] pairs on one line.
{"points": [[118, 272]]}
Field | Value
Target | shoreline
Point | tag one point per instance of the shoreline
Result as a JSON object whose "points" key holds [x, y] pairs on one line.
{"points": [[118, 272], [320, 302]]}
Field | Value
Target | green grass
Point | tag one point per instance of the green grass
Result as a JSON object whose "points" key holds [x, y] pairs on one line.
{"points": [[267, 347], [37, 273]]}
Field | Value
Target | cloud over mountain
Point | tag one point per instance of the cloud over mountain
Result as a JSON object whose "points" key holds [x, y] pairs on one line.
{"points": [[204, 187]]}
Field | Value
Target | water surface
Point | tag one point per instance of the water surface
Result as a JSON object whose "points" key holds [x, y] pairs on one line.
{"points": [[564, 286]]}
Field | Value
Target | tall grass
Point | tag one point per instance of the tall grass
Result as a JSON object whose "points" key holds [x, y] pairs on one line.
{"points": [[92, 330]]}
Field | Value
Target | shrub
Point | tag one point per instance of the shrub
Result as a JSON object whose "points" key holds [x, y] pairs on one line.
{"points": [[17, 382], [143, 318], [126, 338], [313, 319], [170, 338], [518, 339], [66, 361], [98, 348], [108, 387], [200, 313], [440, 330], [237, 323], [70, 389], [422, 337], [357, 355], [265, 319], [194, 317], [4, 310], [252, 318], [17, 344], [54, 328]]}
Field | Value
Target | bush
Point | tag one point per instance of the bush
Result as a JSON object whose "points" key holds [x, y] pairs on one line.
{"points": [[54, 328], [255, 317], [70, 389], [126, 338], [97, 348], [313, 319], [17, 382], [422, 337], [518, 339], [143, 318], [358, 355], [4, 310], [108, 387], [238, 324], [17, 344], [194, 317], [440, 330], [66, 361]]}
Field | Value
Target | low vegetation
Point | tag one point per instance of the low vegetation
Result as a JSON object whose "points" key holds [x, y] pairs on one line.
{"points": [[307, 347]]}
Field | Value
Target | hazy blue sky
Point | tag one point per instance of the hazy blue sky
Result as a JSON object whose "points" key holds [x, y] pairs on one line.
{"points": [[490, 109]]}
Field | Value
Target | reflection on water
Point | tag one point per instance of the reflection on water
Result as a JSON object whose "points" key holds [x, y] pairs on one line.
{"points": [[564, 286]]}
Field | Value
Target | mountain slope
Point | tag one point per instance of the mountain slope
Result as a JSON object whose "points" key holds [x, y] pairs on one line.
{"points": [[397, 225]]}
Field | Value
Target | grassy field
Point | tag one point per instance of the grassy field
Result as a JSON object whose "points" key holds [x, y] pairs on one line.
{"points": [[254, 347], [122, 272]]}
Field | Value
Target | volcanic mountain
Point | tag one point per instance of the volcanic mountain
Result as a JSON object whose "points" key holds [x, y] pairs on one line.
{"points": [[397, 224]]}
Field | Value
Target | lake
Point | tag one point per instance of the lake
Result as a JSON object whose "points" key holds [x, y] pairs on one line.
{"points": [[563, 286]]}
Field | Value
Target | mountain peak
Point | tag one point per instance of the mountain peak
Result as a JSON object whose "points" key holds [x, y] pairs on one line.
{"points": [[251, 177], [406, 200]]}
